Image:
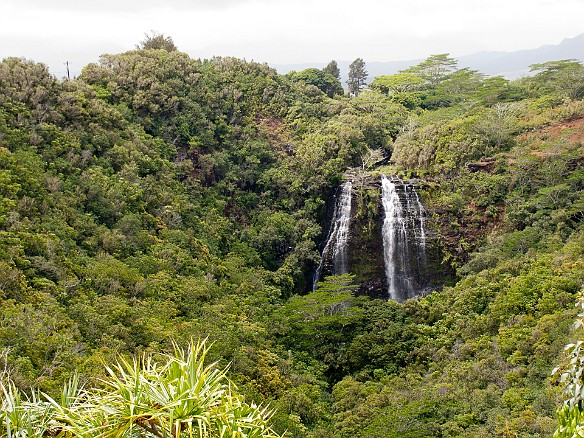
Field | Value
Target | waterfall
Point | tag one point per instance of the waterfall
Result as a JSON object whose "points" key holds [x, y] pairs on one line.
{"points": [[404, 239], [335, 251], [416, 211]]}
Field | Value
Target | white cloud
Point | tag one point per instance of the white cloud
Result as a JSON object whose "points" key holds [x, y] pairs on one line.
{"points": [[284, 31], [129, 5]]}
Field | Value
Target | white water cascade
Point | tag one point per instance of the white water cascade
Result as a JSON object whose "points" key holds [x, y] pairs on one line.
{"points": [[335, 251], [404, 239]]}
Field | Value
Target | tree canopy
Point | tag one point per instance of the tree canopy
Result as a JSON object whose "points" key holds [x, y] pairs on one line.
{"points": [[333, 69], [157, 41], [325, 82]]}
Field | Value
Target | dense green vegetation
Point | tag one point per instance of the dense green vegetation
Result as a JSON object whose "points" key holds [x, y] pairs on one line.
{"points": [[158, 199]]}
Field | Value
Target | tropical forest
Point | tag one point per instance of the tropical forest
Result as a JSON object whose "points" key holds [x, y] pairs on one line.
{"points": [[208, 248]]}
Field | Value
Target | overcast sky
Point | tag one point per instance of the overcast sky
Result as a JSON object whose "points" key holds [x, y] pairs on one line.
{"points": [[282, 31]]}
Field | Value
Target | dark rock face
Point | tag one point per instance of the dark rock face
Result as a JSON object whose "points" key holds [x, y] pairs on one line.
{"points": [[366, 248]]}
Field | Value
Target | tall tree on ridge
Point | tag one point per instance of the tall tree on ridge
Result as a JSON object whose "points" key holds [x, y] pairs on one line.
{"points": [[357, 76]]}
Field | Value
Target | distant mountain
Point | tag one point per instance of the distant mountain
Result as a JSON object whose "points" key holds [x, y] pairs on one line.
{"points": [[516, 64], [508, 64]]}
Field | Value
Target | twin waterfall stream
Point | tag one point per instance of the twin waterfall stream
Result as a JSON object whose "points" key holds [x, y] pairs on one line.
{"points": [[404, 239], [336, 248], [403, 235]]}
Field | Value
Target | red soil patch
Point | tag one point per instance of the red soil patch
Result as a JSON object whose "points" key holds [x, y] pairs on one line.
{"points": [[571, 129], [539, 154], [275, 132]]}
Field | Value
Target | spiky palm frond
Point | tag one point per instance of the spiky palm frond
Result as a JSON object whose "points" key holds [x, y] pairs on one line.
{"points": [[182, 397], [22, 416]]}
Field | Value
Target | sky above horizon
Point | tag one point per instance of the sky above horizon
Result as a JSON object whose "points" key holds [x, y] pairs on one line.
{"points": [[282, 31]]}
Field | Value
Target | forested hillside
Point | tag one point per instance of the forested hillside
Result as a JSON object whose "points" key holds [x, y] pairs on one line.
{"points": [[158, 199]]}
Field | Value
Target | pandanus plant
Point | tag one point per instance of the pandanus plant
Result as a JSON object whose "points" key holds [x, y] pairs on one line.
{"points": [[177, 397], [570, 374]]}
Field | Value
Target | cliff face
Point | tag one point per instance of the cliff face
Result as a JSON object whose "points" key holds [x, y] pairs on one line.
{"points": [[366, 259]]}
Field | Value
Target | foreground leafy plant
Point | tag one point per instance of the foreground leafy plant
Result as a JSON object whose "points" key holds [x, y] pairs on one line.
{"points": [[181, 397], [571, 414]]}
